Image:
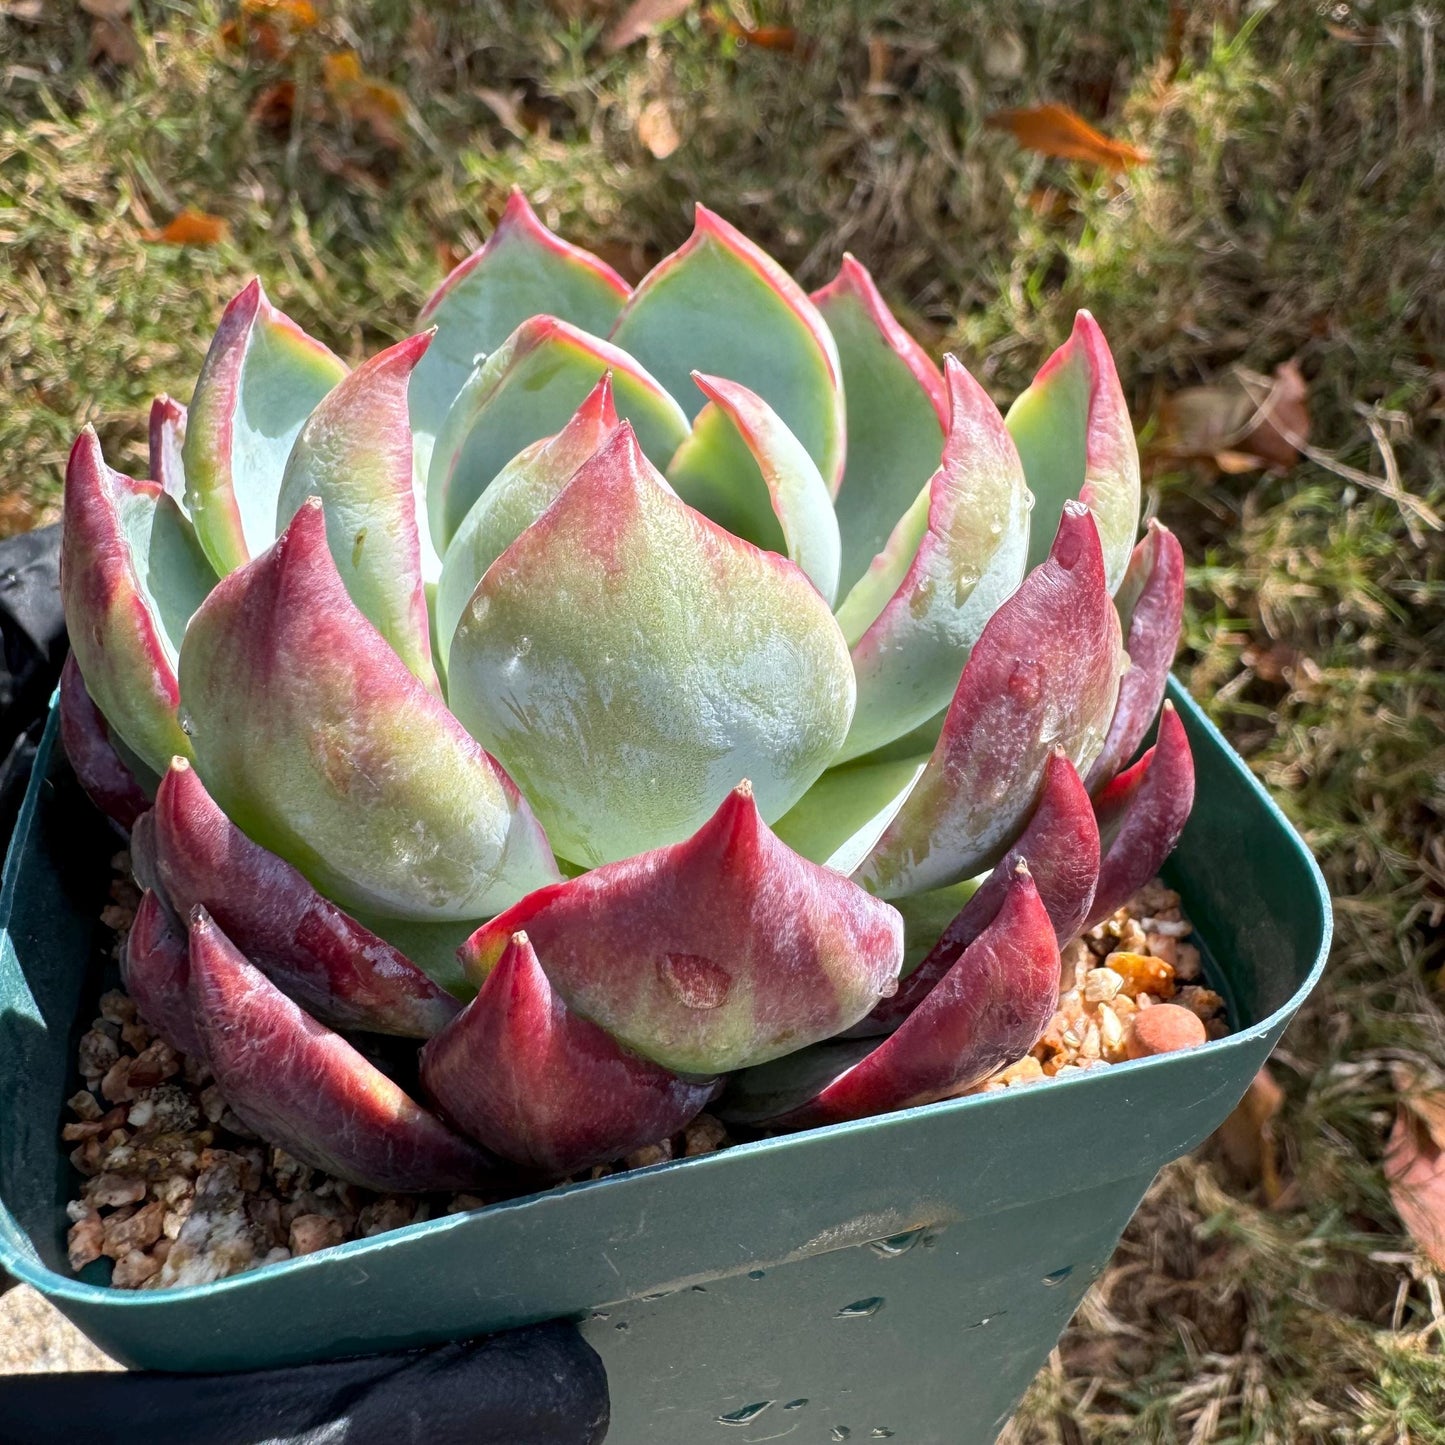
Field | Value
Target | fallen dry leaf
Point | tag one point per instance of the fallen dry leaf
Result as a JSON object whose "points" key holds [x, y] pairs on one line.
{"points": [[29, 12], [106, 9], [656, 130], [1240, 424], [1055, 130], [363, 98], [640, 20], [190, 228], [765, 37], [115, 41], [275, 107], [1247, 1136], [1415, 1172]]}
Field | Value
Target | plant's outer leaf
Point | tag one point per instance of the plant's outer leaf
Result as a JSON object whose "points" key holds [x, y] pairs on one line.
{"points": [[108, 783], [1151, 606], [346, 765], [261, 379], [1073, 432], [969, 557], [167, 439], [897, 413], [988, 1010], [1415, 1172], [131, 575], [1043, 674], [527, 389], [722, 305], [741, 466], [1055, 130], [1060, 847], [841, 817], [712, 954], [337, 970], [519, 494], [355, 453], [631, 661], [1141, 815], [523, 270], [525, 1076], [155, 969], [306, 1089]]}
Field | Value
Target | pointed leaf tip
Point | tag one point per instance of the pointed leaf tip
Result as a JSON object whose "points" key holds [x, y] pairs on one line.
{"points": [[156, 970], [1142, 814], [305, 1088], [957, 553], [1151, 605], [341, 972], [628, 659], [1059, 848], [354, 452], [987, 1011], [710, 954], [1076, 440], [348, 767], [544, 1088], [1043, 674]]}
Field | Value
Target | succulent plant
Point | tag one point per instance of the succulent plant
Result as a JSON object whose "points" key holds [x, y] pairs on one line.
{"points": [[619, 689]]}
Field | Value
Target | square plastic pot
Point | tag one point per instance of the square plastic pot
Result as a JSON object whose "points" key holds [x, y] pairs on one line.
{"points": [[900, 1278]]}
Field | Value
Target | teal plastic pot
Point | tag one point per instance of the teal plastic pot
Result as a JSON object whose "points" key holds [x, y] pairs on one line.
{"points": [[900, 1278]]}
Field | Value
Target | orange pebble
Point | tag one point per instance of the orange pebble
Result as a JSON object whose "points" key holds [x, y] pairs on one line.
{"points": [[1163, 1029]]}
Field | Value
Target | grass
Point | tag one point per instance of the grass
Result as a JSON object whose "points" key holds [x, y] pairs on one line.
{"points": [[1293, 207]]}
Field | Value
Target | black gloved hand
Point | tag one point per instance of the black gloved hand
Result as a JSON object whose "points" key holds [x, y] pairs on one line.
{"points": [[539, 1386]]}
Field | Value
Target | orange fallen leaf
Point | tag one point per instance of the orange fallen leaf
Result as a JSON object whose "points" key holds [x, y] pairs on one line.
{"points": [[363, 98], [190, 228], [1415, 1171], [765, 37], [1055, 130], [640, 20], [1247, 1136], [656, 130]]}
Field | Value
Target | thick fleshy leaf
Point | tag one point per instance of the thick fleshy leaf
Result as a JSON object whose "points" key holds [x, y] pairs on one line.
{"points": [[108, 783], [1073, 432], [1141, 816], [262, 378], [520, 493], [1044, 674], [1060, 847], [305, 1088], [156, 970], [528, 389], [523, 270], [339, 971], [1151, 606], [354, 452], [715, 953], [131, 575], [741, 466], [897, 413], [911, 638], [167, 439], [524, 1075], [722, 305], [988, 1010], [346, 766], [630, 661], [432, 947]]}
